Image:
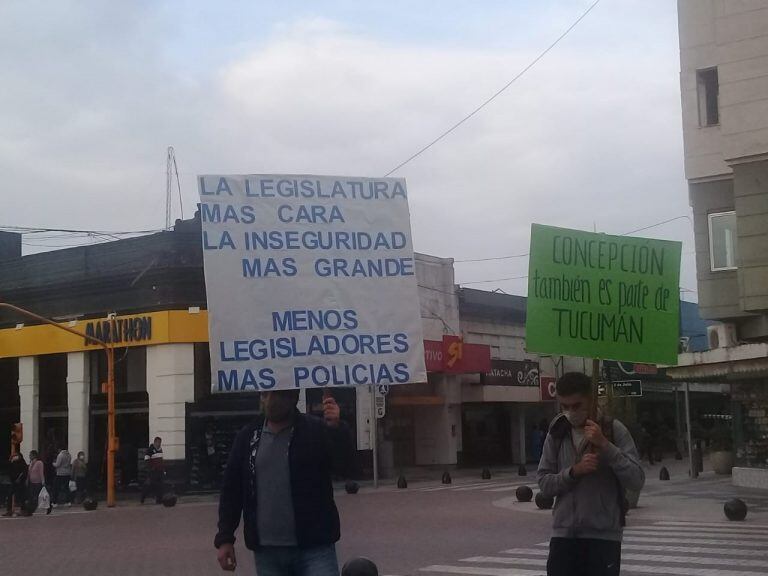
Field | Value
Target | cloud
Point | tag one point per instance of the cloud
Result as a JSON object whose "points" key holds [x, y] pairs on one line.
{"points": [[590, 136]]}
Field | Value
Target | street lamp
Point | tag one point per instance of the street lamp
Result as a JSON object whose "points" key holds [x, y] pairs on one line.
{"points": [[110, 389]]}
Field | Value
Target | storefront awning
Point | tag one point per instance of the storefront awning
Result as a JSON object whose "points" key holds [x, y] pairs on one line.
{"points": [[745, 361]]}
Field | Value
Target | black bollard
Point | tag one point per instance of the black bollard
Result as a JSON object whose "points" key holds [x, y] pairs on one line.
{"points": [[402, 482], [446, 477], [663, 473], [351, 487], [524, 494], [522, 470], [544, 502], [169, 500], [359, 567], [486, 474], [735, 510]]}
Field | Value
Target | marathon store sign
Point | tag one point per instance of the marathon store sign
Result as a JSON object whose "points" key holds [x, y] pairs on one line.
{"points": [[119, 330], [511, 373]]}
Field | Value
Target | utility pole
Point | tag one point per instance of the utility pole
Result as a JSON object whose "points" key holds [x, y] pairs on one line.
{"points": [[110, 390]]}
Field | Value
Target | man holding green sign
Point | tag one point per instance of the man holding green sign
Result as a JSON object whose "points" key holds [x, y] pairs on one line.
{"points": [[606, 297]]}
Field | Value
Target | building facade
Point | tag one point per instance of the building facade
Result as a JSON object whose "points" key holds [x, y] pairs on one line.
{"points": [[724, 94], [146, 297]]}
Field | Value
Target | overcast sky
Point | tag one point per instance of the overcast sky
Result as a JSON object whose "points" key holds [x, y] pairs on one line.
{"points": [[93, 93]]}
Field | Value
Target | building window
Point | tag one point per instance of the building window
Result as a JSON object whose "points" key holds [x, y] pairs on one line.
{"points": [[722, 241], [707, 87]]}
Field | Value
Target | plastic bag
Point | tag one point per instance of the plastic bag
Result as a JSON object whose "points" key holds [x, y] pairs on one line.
{"points": [[44, 499], [72, 486]]}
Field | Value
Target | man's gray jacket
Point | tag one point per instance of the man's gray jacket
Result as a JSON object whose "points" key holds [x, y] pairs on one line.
{"points": [[589, 506]]}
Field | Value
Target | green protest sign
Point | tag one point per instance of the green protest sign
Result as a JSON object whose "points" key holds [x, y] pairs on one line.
{"points": [[601, 296]]}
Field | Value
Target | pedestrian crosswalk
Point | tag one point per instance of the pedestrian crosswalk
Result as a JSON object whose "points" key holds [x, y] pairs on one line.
{"points": [[484, 486], [674, 548]]}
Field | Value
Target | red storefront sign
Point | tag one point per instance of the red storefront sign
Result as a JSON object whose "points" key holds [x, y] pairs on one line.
{"points": [[547, 388], [453, 356]]}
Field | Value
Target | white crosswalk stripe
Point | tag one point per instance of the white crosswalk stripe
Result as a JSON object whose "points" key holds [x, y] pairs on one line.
{"points": [[720, 525], [664, 548], [696, 534], [705, 530], [486, 486]]}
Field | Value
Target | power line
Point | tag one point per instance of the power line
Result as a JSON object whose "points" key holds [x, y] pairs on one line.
{"points": [[659, 224], [30, 230], [463, 261], [495, 280], [496, 94], [453, 293], [492, 258]]}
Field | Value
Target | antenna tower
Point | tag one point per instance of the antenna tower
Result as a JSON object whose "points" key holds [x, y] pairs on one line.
{"points": [[171, 173]]}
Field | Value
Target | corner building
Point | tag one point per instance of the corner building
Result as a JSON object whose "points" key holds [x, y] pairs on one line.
{"points": [[147, 296]]}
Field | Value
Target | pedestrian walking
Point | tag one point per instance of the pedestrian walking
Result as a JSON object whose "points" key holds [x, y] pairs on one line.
{"points": [[79, 474], [587, 466], [35, 483], [537, 442], [278, 478], [18, 475], [211, 456], [63, 467], [155, 471]]}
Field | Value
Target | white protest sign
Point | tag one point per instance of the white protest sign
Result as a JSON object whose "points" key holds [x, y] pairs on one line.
{"points": [[311, 281]]}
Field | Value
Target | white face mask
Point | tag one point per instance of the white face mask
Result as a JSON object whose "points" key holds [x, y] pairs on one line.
{"points": [[577, 418]]}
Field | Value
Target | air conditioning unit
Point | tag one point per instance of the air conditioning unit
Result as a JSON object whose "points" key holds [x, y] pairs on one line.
{"points": [[722, 336]]}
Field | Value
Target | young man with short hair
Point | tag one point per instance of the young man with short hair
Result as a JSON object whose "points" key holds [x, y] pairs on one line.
{"points": [[587, 466]]}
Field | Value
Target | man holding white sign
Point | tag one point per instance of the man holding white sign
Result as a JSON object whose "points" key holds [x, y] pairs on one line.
{"points": [[311, 282], [278, 478]]}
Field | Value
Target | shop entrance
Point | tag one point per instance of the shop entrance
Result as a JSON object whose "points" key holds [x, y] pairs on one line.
{"points": [[486, 434]]}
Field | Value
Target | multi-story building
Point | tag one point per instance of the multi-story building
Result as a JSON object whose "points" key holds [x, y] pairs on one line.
{"points": [[146, 296], [724, 92]]}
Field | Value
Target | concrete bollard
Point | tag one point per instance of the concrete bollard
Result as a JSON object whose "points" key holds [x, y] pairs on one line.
{"points": [[351, 487], [169, 500], [359, 567], [544, 502], [524, 494], [735, 510]]}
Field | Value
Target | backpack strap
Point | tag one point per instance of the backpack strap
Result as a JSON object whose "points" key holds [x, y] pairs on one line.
{"points": [[607, 427]]}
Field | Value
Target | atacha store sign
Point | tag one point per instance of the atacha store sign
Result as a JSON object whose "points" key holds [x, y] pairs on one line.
{"points": [[512, 373]]}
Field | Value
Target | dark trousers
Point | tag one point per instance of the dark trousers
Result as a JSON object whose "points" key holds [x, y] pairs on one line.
{"points": [[15, 497], [153, 484], [583, 557], [61, 493], [32, 496], [80, 493]]}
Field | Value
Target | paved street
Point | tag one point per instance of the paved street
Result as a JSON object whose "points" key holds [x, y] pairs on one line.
{"points": [[469, 527]]}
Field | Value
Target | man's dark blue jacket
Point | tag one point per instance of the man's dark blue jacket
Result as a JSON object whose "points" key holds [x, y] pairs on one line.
{"points": [[317, 453]]}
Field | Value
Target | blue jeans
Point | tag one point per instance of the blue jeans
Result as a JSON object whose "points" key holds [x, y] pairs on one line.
{"points": [[292, 561]]}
